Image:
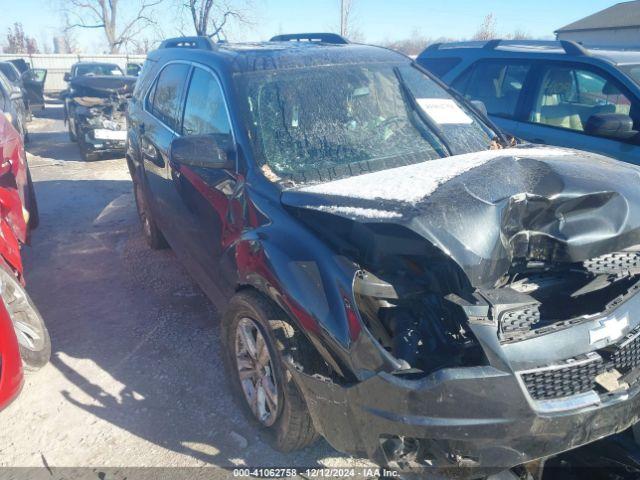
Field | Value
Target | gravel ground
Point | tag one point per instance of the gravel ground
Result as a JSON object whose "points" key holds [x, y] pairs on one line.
{"points": [[136, 377]]}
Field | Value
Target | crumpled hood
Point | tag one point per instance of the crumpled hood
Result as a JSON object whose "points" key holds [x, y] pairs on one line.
{"points": [[103, 85], [487, 208]]}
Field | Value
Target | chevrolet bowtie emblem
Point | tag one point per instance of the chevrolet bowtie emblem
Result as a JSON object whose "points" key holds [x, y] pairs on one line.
{"points": [[610, 329]]}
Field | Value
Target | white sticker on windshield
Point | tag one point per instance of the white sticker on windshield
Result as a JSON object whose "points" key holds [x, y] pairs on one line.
{"points": [[443, 111]]}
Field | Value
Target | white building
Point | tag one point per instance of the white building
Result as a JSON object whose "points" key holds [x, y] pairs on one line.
{"points": [[618, 25]]}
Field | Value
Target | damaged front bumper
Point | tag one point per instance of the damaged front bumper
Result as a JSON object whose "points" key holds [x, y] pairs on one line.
{"points": [[473, 421], [104, 140], [473, 418]]}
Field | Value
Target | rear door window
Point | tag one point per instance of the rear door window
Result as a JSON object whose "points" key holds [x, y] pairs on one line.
{"points": [[439, 66], [499, 85], [205, 110], [568, 96], [167, 94]]}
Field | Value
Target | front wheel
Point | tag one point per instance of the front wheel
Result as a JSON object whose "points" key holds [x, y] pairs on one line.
{"points": [[31, 331], [72, 131], [254, 334], [86, 154], [152, 234]]}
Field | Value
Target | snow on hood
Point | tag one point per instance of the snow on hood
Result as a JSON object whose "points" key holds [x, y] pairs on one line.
{"points": [[355, 211], [488, 208], [413, 183]]}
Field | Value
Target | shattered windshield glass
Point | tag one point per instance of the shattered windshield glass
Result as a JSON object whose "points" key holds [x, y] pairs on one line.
{"points": [[320, 123]]}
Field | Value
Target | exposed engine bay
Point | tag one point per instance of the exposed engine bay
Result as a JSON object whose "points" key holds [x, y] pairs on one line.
{"points": [[501, 255], [420, 305], [96, 111]]}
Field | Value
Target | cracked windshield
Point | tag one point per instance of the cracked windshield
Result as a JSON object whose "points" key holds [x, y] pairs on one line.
{"points": [[317, 124]]}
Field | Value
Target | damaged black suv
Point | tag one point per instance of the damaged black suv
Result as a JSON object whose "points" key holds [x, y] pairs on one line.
{"points": [[95, 104], [395, 275]]}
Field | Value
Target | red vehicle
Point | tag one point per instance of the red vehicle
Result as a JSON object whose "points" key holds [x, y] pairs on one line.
{"points": [[23, 333]]}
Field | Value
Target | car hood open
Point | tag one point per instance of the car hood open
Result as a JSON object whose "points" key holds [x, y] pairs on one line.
{"points": [[487, 209]]}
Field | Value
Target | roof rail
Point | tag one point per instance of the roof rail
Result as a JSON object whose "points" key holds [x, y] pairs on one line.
{"points": [[202, 43], [311, 37], [492, 44], [573, 48], [569, 46]]}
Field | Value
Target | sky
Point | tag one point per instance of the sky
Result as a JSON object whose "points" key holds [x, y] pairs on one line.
{"points": [[376, 20]]}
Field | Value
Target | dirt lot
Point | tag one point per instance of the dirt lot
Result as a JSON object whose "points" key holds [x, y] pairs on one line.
{"points": [[135, 377]]}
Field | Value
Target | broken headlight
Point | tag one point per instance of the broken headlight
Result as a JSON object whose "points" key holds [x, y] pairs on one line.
{"points": [[416, 325]]}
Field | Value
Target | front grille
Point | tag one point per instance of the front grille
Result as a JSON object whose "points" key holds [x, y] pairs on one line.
{"points": [[563, 381], [613, 263], [578, 376], [519, 319], [626, 356]]}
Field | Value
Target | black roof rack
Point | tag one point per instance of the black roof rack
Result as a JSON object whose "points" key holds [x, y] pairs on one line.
{"points": [[311, 37], [570, 47], [202, 43]]}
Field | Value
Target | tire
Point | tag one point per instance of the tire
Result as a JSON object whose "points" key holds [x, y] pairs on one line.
{"points": [[287, 423], [32, 333], [86, 154], [152, 234], [72, 133], [32, 203]]}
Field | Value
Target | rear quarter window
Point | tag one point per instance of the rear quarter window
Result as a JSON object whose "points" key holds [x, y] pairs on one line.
{"points": [[440, 66]]}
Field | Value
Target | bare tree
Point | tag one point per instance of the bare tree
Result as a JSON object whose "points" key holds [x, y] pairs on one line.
{"points": [[210, 17], [65, 41], [18, 42], [487, 29], [348, 19], [415, 43], [107, 16], [519, 35]]}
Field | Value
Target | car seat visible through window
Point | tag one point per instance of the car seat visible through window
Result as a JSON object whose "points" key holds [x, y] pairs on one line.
{"points": [[555, 105]]}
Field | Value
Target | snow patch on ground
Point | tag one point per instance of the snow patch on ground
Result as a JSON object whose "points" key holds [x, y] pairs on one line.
{"points": [[412, 183], [356, 211]]}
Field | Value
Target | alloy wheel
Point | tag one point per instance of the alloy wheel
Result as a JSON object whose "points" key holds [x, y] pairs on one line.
{"points": [[27, 324], [255, 370]]}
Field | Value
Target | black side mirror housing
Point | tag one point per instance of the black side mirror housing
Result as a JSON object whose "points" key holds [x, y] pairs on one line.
{"points": [[67, 76], [208, 151], [612, 125]]}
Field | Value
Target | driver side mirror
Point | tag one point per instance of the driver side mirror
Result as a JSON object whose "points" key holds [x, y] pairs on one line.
{"points": [[67, 76], [611, 125], [209, 151]]}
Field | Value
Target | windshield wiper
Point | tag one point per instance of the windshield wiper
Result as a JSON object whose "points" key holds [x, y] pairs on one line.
{"points": [[421, 113]]}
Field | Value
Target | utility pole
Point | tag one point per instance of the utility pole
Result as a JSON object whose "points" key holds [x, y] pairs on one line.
{"points": [[342, 25]]}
